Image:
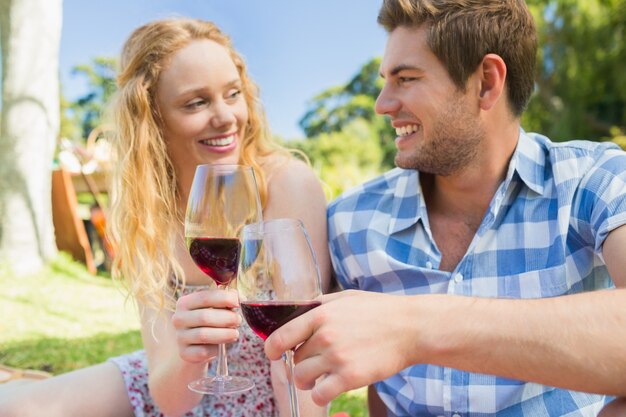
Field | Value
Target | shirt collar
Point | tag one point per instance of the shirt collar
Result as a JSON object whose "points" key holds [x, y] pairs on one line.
{"points": [[408, 202], [529, 160], [409, 207]]}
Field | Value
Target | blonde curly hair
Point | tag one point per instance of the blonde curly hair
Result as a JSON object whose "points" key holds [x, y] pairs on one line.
{"points": [[145, 214]]}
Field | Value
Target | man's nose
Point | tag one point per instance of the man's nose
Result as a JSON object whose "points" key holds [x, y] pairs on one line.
{"points": [[386, 103]]}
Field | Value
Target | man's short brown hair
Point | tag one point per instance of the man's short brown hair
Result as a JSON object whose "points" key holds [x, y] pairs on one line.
{"points": [[462, 32]]}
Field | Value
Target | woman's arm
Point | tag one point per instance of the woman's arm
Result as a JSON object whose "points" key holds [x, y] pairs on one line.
{"points": [[180, 345], [294, 191]]}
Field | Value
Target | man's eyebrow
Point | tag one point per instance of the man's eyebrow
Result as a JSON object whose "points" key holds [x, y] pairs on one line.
{"points": [[399, 68]]}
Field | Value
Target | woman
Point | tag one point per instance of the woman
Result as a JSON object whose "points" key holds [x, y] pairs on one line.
{"points": [[184, 99]]}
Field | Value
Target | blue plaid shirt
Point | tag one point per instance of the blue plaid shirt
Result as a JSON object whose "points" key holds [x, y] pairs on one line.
{"points": [[542, 236]]}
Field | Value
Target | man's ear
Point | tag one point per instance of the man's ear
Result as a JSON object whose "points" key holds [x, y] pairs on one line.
{"points": [[492, 76]]}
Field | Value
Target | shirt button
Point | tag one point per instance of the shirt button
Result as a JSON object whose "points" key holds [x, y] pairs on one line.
{"points": [[429, 265], [456, 415], [458, 277]]}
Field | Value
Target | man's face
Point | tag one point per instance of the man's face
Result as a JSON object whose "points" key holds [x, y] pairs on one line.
{"points": [[438, 126]]}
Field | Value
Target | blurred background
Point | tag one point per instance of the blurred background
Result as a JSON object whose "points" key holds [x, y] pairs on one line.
{"points": [[317, 66]]}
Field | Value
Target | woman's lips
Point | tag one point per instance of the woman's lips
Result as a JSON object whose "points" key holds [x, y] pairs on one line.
{"points": [[222, 144]]}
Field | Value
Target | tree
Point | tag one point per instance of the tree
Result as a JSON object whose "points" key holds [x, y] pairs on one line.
{"points": [[335, 108], [581, 88], [87, 110], [30, 32], [345, 158]]}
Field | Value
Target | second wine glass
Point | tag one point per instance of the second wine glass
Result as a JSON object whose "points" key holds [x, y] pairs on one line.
{"points": [[278, 281], [223, 199]]}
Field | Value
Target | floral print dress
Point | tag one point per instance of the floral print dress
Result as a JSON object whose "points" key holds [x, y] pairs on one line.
{"points": [[245, 358]]}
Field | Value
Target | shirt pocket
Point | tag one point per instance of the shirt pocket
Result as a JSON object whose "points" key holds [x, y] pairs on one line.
{"points": [[542, 283], [385, 274]]}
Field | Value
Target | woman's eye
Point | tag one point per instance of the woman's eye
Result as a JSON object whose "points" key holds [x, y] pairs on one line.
{"points": [[195, 104], [234, 94]]}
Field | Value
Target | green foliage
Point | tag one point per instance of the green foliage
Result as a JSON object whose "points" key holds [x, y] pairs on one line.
{"points": [[59, 355], [344, 158], [581, 89], [580, 93], [87, 111], [353, 402], [619, 137], [63, 318], [70, 125], [335, 108]]}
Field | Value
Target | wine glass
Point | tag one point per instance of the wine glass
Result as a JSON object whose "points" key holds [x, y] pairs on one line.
{"points": [[278, 281], [222, 200]]}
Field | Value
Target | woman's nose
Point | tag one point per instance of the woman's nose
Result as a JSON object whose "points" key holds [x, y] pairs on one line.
{"points": [[223, 116]]}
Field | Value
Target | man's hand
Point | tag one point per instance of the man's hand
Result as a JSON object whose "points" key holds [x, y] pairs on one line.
{"points": [[353, 339]]}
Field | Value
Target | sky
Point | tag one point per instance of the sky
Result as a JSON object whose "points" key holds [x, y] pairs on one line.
{"points": [[294, 49]]}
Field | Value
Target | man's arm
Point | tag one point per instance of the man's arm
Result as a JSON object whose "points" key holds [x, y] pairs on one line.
{"points": [[356, 338], [574, 342]]}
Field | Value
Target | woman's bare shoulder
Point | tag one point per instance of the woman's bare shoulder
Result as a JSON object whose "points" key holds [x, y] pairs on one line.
{"points": [[294, 190], [291, 173]]}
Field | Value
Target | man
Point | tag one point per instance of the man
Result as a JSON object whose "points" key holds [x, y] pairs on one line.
{"points": [[487, 240]]}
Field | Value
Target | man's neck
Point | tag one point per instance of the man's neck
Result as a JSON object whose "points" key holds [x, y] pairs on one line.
{"points": [[457, 203], [468, 192]]}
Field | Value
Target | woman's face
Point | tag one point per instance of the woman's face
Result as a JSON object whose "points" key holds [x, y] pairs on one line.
{"points": [[199, 95]]}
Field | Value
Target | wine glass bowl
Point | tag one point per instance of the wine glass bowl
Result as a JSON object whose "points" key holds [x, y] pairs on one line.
{"points": [[216, 257], [222, 200], [278, 280]]}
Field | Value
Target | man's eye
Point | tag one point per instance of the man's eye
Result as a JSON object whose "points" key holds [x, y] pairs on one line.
{"points": [[404, 80]]}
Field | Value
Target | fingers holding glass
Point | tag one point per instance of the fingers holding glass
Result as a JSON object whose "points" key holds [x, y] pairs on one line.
{"points": [[223, 199], [279, 280]]}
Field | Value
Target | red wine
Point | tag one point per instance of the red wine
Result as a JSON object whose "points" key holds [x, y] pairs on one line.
{"points": [[266, 316], [216, 257]]}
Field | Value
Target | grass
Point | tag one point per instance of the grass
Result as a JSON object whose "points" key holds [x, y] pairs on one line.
{"points": [[64, 318]]}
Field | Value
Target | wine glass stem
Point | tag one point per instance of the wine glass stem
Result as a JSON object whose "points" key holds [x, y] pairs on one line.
{"points": [[221, 370], [293, 396]]}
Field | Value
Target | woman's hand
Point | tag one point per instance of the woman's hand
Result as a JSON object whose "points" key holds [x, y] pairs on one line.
{"points": [[204, 319]]}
